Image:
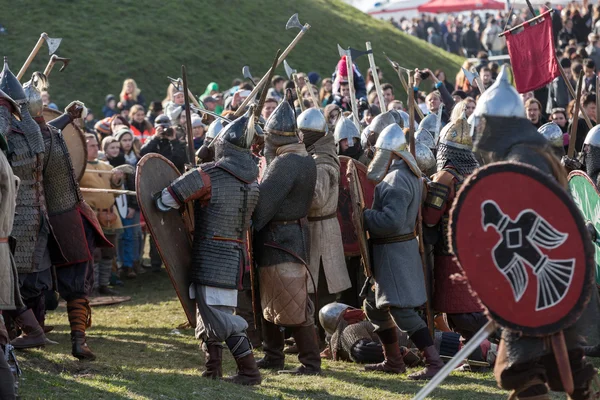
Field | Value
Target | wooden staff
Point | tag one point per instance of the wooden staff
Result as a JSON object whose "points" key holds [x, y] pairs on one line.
{"points": [[559, 347], [107, 191], [353, 102], [375, 77], [298, 92], [411, 115], [574, 123]]}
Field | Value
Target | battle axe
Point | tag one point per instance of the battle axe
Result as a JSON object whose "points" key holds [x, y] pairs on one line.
{"points": [[53, 60], [179, 83], [474, 79], [247, 74], [53, 44], [351, 55], [375, 76], [293, 75], [293, 22], [399, 70]]}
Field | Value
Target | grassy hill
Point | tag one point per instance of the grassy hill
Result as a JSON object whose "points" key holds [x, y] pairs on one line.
{"points": [[148, 40]]}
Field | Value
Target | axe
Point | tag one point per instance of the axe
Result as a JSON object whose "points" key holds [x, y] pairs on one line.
{"points": [[293, 22], [293, 75], [53, 60], [247, 74], [177, 83], [375, 76], [352, 54], [474, 79], [409, 92], [53, 44], [289, 71]]}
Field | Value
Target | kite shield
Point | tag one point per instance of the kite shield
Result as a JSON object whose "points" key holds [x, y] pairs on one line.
{"points": [[586, 196], [524, 248], [169, 230], [360, 190]]}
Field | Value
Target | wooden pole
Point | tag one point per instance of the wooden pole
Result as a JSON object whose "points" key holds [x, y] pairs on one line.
{"points": [[378, 89], [32, 55], [574, 123], [559, 347], [353, 102], [411, 115]]}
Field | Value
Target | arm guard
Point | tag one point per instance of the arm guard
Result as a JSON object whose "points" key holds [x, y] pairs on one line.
{"points": [[437, 195], [61, 122], [193, 185]]}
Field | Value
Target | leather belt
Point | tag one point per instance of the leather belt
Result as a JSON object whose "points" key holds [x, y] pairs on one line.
{"points": [[394, 239], [224, 239], [300, 221], [4, 240], [103, 209], [323, 218]]}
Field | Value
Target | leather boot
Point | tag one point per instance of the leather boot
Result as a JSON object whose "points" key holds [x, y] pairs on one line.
{"points": [[272, 346], [393, 363], [213, 353], [32, 333], [247, 372], [80, 349], [433, 363], [308, 352], [137, 267]]}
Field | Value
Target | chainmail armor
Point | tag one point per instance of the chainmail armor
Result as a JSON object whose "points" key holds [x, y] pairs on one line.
{"points": [[187, 185], [592, 162], [463, 160], [219, 237]]}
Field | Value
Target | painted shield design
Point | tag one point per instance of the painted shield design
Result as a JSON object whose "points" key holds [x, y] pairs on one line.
{"points": [[169, 230], [75, 140], [586, 196], [360, 189], [524, 248]]}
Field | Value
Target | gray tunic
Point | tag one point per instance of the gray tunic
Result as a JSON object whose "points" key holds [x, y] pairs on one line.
{"points": [[398, 271]]}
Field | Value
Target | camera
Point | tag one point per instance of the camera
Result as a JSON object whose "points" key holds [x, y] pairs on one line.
{"points": [[169, 132], [424, 75]]}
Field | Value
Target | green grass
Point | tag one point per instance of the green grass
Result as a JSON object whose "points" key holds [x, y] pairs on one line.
{"points": [[149, 40], [142, 356]]}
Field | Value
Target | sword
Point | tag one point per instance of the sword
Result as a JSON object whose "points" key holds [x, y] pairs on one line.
{"points": [[107, 191], [458, 358]]}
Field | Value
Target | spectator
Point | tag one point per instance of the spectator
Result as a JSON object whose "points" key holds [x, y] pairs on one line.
{"points": [[593, 48], [395, 105], [165, 143], [441, 75], [110, 106], [342, 99], [313, 78], [559, 117], [154, 110], [434, 38], [534, 112], [491, 40], [558, 93], [276, 91], [453, 41], [46, 100], [130, 95], [198, 131], [470, 41], [461, 81], [325, 94], [90, 121], [589, 80], [211, 89], [269, 107], [341, 75], [458, 96], [566, 34], [388, 94], [486, 77], [142, 129], [588, 106]]}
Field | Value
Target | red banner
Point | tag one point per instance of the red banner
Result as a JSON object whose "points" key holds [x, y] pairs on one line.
{"points": [[532, 55]]}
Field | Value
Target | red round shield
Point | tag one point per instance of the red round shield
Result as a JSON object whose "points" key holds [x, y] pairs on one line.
{"points": [[524, 248]]}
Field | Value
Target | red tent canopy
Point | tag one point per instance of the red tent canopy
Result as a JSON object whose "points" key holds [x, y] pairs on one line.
{"points": [[448, 6]]}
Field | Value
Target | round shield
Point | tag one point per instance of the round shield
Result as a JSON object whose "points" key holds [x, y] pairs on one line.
{"points": [[586, 196], [75, 140], [524, 248]]}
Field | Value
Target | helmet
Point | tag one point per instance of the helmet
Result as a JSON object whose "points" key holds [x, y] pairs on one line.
{"points": [[405, 118], [592, 138], [431, 124], [553, 134], [345, 129], [312, 120], [423, 136], [424, 156], [282, 122], [240, 132], [457, 134], [10, 85], [398, 117], [381, 121], [391, 142], [214, 128], [330, 315], [500, 100], [392, 138], [33, 92]]}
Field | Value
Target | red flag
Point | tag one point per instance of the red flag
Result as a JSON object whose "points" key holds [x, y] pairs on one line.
{"points": [[532, 55]]}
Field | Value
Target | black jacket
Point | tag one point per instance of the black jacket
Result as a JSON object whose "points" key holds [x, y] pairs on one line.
{"points": [[172, 150]]}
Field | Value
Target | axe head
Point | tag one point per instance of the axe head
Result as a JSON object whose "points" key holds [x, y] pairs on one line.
{"points": [[341, 51], [288, 70], [246, 72], [53, 44], [294, 22], [358, 53], [394, 64], [470, 76], [64, 61]]}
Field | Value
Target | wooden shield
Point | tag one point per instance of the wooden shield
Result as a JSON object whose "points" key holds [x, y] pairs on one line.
{"points": [[586, 196], [75, 140], [169, 230], [357, 199]]}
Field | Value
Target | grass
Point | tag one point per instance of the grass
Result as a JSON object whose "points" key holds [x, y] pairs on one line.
{"points": [[149, 40], [142, 356]]}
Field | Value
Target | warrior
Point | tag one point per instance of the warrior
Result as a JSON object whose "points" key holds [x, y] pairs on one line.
{"points": [[10, 297], [224, 193], [347, 140], [455, 162], [31, 228], [398, 287], [205, 152], [502, 132], [555, 137], [371, 132], [73, 222], [327, 265], [591, 151], [282, 244]]}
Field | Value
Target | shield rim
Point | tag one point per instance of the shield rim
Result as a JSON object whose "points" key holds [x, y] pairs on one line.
{"points": [[78, 174], [356, 190], [184, 300], [547, 180]]}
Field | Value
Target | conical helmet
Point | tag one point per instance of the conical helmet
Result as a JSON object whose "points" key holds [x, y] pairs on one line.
{"points": [[593, 136], [240, 132], [331, 314], [424, 156], [390, 143], [424, 137], [430, 124], [345, 129], [500, 100], [457, 134], [381, 122], [312, 120], [398, 117], [392, 138], [33, 92], [16, 111], [553, 134], [282, 122], [214, 128], [10, 85]]}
